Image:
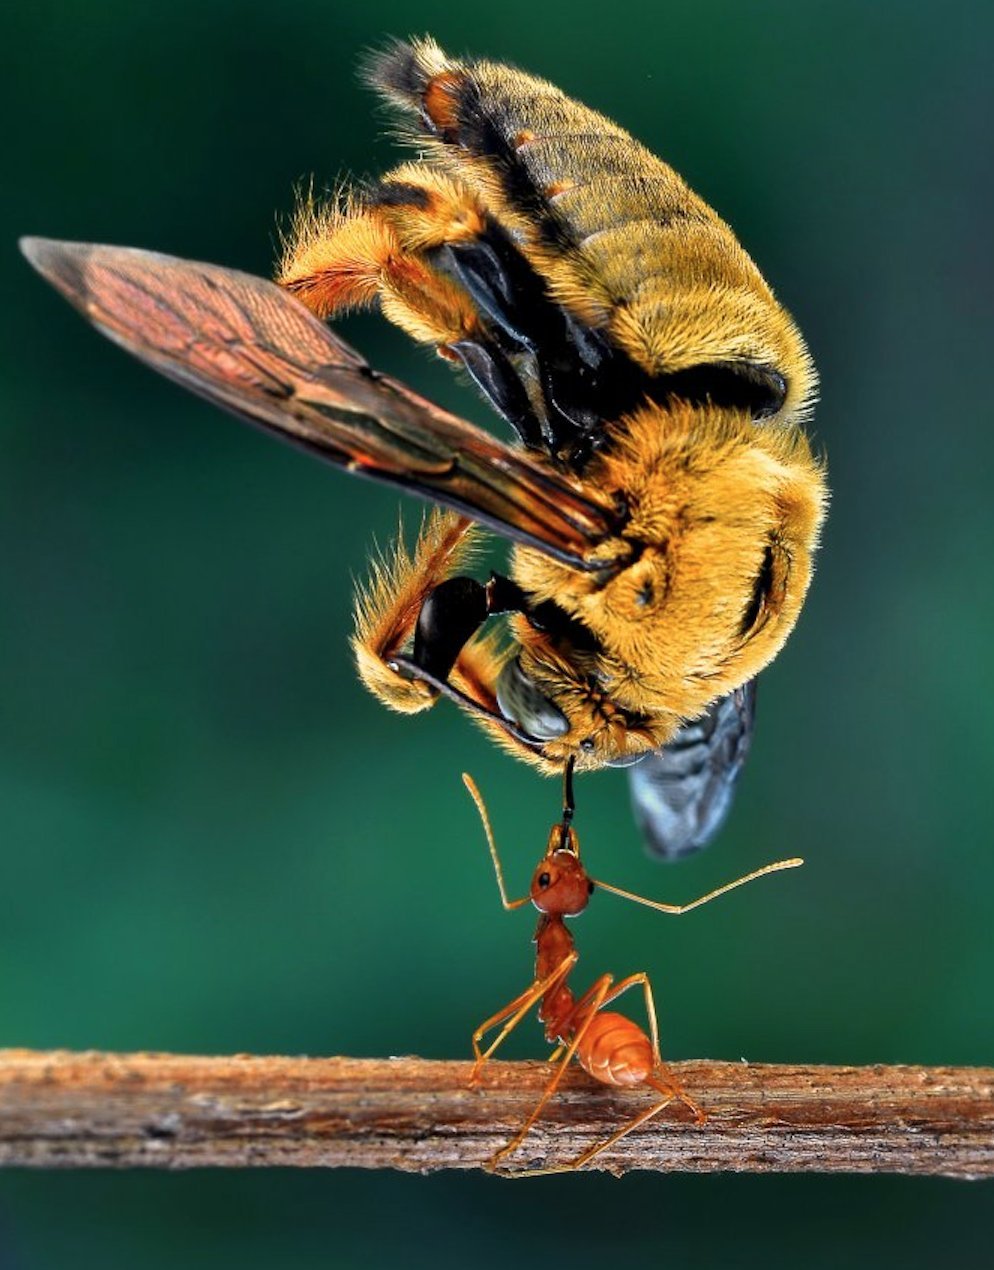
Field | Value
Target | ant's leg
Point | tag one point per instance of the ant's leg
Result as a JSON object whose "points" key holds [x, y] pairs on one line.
{"points": [[630, 981], [587, 1156], [593, 999], [672, 1086], [623, 1132], [514, 1012]]}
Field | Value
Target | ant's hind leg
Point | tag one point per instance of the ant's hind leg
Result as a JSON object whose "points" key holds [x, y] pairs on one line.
{"points": [[582, 1160], [668, 1083]]}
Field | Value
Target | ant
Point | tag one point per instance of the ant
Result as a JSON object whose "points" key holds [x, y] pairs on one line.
{"points": [[607, 1045]]}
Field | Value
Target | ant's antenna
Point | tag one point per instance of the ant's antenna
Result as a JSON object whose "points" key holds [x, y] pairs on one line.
{"points": [[481, 807], [677, 909]]}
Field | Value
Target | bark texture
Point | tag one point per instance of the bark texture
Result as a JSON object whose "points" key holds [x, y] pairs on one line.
{"points": [[94, 1110]]}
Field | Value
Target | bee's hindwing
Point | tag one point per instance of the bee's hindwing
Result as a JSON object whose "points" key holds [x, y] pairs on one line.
{"points": [[682, 793]]}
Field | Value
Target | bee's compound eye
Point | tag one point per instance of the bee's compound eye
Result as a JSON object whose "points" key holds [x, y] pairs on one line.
{"points": [[522, 703]]}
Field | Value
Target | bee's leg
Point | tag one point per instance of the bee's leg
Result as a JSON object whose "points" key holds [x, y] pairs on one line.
{"points": [[500, 382], [348, 254], [417, 629], [430, 215], [388, 609], [379, 246], [447, 224], [417, 624], [537, 363]]}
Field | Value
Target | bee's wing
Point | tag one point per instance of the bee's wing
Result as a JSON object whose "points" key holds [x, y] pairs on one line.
{"points": [[246, 345], [682, 793]]}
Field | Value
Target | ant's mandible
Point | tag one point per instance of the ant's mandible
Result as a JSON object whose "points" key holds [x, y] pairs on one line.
{"points": [[608, 1046]]}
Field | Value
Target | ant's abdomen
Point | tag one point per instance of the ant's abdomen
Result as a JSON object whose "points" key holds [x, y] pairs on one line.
{"points": [[616, 1051]]}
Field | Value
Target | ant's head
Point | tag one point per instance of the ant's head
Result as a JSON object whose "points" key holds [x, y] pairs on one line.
{"points": [[560, 883]]}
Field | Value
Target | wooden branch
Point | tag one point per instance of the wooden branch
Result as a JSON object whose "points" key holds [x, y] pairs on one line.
{"points": [[61, 1109]]}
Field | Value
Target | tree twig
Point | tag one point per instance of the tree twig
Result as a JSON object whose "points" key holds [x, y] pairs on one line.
{"points": [[62, 1109]]}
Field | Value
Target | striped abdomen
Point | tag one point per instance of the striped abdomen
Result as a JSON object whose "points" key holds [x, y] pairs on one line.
{"points": [[619, 238], [615, 1050]]}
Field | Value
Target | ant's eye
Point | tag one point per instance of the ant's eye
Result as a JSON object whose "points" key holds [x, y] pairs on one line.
{"points": [[544, 879]]}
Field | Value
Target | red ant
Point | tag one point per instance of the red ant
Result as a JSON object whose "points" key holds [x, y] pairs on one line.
{"points": [[607, 1045]]}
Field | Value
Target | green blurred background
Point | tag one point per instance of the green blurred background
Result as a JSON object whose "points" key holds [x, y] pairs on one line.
{"points": [[213, 841]]}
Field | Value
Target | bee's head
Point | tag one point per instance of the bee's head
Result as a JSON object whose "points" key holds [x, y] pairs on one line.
{"points": [[724, 513]]}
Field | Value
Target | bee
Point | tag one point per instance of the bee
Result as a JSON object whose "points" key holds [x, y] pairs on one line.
{"points": [[662, 497]]}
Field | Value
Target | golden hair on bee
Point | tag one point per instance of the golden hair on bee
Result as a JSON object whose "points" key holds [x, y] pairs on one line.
{"points": [[661, 495], [720, 488], [387, 604], [618, 236]]}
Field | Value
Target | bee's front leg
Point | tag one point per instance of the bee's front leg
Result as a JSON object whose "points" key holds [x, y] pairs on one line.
{"points": [[414, 597], [418, 636]]}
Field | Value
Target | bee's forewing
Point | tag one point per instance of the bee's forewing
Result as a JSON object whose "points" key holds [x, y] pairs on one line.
{"points": [[246, 345]]}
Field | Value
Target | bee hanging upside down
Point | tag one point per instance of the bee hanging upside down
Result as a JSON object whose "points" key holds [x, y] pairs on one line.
{"points": [[662, 496]]}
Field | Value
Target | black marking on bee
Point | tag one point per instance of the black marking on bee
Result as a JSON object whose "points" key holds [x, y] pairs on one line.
{"points": [[760, 592], [551, 619], [398, 194], [585, 380], [760, 390], [506, 596], [397, 69]]}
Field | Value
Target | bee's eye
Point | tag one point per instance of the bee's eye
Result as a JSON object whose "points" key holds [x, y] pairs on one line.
{"points": [[521, 702], [544, 880], [760, 592]]}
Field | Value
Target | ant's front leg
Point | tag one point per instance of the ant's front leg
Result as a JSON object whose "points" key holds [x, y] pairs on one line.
{"points": [[512, 1014]]}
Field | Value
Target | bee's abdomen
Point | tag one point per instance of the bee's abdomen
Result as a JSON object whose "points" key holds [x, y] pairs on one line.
{"points": [[620, 239], [546, 157]]}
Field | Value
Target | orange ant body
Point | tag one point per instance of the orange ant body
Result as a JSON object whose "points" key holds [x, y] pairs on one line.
{"points": [[608, 1046]]}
